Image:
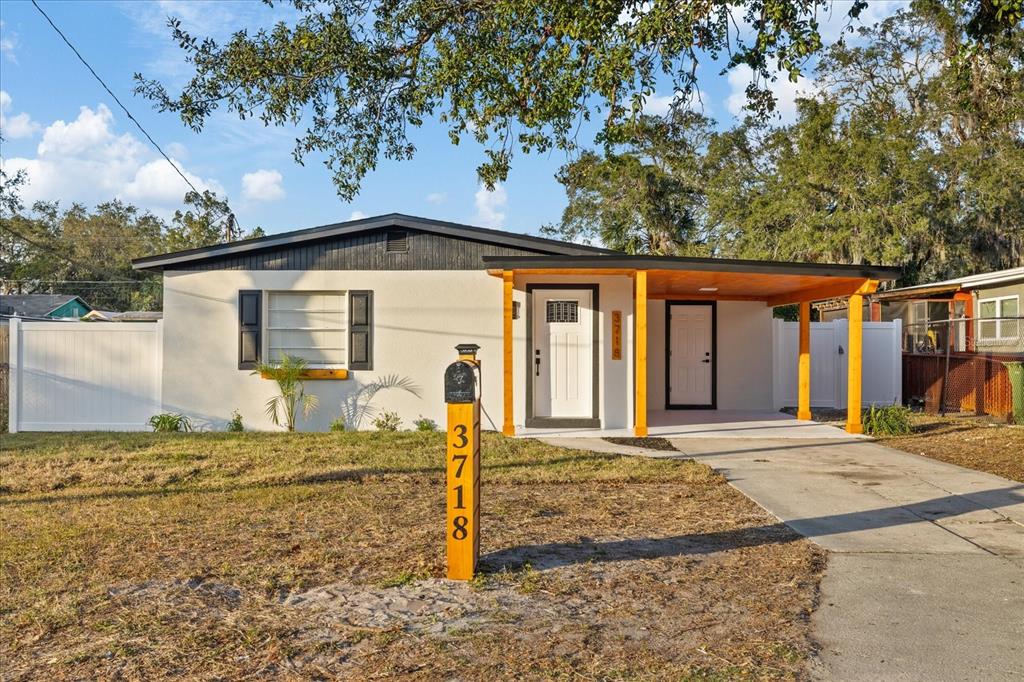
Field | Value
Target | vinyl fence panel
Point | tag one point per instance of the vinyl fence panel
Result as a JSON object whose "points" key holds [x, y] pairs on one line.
{"points": [[84, 376], [882, 374]]}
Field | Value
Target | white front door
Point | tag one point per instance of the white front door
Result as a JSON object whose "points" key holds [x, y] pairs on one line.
{"points": [[690, 355], [563, 353]]}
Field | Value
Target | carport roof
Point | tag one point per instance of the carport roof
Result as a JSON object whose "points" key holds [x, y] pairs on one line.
{"points": [[774, 282]]}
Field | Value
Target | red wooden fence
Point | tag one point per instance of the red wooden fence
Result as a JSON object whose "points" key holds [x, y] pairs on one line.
{"points": [[977, 382]]}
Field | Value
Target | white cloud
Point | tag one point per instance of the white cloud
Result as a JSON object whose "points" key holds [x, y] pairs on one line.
{"points": [[785, 91], [263, 185], [357, 215], [157, 182], [832, 24], [177, 150], [86, 161], [659, 105], [490, 206], [8, 43], [203, 18], [437, 198], [17, 126]]}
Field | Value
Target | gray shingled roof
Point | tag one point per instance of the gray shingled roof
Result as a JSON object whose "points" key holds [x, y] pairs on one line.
{"points": [[33, 305]]}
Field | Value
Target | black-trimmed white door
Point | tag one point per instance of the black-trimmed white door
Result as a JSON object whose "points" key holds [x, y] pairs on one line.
{"points": [[563, 353], [690, 358]]}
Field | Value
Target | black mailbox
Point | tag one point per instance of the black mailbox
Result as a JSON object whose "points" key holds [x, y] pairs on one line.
{"points": [[460, 382]]}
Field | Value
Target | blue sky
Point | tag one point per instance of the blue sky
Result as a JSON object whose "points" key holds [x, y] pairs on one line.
{"points": [[77, 145]]}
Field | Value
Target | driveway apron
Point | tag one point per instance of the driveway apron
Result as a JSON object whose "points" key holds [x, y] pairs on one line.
{"points": [[925, 579]]}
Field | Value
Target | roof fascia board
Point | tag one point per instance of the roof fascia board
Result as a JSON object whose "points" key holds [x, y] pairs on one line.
{"points": [[351, 227], [693, 264]]}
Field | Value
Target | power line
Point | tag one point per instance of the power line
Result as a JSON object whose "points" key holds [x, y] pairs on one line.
{"points": [[228, 214], [78, 281]]}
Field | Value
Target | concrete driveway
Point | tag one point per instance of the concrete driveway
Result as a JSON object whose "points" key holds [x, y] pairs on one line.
{"points": [[925, 579]]}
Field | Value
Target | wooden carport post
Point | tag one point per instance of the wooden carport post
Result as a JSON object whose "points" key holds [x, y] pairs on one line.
{"points": [[508, 424], [640, 343], [803, 410], [855, 346]]}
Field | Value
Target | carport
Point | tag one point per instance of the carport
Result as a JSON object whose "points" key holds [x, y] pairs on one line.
{"points": [[623, 293]]}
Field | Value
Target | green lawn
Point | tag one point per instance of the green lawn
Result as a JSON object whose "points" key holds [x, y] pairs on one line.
{"points": [[167, 555]]}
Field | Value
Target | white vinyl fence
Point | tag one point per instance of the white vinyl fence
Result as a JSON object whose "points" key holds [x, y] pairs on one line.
{"points": [[84, 376], [881, 378]]}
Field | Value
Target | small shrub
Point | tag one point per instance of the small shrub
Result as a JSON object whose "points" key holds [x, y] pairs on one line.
{"points": [[338, 425], [288, 374], [169, 422], [387, 421], [891, 420], [424, 424], [235, 425]]}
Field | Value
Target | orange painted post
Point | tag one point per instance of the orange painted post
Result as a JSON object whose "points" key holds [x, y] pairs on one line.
{"points": [[854, 364], [463, 464], [803, 410], [508, 424], [640, 381]]}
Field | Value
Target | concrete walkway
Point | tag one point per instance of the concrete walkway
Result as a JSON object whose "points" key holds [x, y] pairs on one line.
{"points": [[925, 579], [706, 424]]}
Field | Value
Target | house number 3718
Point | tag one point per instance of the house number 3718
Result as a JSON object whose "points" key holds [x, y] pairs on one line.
{"points": [[463, 474]]}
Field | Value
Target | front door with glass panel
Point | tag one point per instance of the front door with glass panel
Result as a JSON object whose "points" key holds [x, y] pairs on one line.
{"points": [[562, 356]]}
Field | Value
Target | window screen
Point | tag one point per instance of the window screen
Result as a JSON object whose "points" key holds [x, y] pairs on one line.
{"points": [[563, 311], [999, 329], [308, 325]]}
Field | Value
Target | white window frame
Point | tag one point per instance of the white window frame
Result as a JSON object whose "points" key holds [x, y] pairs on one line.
{"points": [[999, 338], [344, 329]]}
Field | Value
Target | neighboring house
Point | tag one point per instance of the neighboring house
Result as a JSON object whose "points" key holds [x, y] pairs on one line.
{"points": [[54, 306], [570, 335], [988, 303], [126, 316]]}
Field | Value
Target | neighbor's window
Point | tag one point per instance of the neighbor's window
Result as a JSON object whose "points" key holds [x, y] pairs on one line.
{"points": [[310, 325], [999, 329]]}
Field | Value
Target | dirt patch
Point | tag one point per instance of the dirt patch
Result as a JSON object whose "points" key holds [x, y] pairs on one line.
{"points": [[649, 443], [975, 442], [968, 441], [593, 566]]}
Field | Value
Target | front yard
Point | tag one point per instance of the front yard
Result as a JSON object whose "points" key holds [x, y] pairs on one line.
{"points": [[320, 555], [973, 442]]}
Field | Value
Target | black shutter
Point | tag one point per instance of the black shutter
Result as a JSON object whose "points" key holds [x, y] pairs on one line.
{"points": [[250, 305], [360, 330]]}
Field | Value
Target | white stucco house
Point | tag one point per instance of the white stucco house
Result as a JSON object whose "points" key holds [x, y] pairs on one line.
{"points": [[570, 336]]}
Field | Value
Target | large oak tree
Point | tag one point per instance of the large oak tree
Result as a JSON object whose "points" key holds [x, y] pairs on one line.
{"points": [[517, 75]]}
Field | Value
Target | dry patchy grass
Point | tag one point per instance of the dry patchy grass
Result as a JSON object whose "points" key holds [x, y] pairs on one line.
{"points": [[980, 443], [143, 556], [973, 442]]}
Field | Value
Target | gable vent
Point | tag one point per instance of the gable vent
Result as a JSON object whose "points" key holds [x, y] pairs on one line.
{"points": [[397, 241]]}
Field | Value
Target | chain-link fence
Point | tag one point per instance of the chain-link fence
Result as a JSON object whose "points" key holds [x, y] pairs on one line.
{"points": [[957, 365]]}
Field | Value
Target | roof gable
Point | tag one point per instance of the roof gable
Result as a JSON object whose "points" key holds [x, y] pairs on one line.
{"points": [[36, 305], [195, 258]]}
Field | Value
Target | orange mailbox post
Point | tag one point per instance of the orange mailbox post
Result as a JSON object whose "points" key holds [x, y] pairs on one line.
{"points": [[462, 393]]}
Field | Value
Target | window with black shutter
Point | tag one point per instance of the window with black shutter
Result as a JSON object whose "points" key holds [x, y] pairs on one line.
{"points": [[360, 330], [250, 303]]}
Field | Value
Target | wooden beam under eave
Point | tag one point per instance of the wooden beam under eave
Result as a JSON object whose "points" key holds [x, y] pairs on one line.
{"points": [[702, 297], [570, 271], [818, 293]]}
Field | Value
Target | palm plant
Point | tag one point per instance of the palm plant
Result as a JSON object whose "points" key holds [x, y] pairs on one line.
{"points": [[288, 375], [357, 405]]}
